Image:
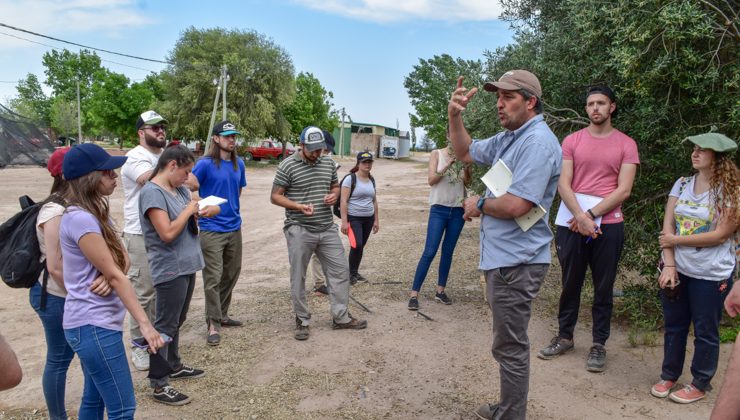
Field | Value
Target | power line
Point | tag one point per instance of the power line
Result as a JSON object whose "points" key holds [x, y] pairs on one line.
{"points": [[84, 46], [57, 49]]}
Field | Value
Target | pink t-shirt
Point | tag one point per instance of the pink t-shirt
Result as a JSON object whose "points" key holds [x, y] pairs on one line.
{"points": [[596, 164]]}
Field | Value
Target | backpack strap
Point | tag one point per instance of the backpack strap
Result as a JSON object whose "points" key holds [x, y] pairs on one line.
{"points": [[353, 178]]}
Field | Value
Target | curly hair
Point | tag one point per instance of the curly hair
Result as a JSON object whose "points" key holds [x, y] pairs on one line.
{"points": [[724, 184], [83, 193]]}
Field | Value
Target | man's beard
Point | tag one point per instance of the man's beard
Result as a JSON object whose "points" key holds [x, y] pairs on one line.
{"points": [[153, 141]]}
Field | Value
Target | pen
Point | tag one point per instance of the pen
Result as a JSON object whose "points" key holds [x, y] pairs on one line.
{"points": [[596, 229]]}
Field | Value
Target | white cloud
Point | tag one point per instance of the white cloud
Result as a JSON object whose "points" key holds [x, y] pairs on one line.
{"points": [[59, 17], [402, 10]]}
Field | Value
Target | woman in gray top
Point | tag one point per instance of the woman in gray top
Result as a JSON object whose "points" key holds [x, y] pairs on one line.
{"points": [[168, 222]]}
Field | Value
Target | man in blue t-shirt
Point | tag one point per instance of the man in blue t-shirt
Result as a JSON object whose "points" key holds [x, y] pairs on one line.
{"points": [[514, 252], [221, 174]]}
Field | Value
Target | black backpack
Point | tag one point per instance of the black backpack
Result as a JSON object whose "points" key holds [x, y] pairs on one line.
{"points": [[353, 176], [20, 254]]}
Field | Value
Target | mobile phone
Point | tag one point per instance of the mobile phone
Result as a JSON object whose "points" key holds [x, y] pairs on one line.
{"points": [[143, 344]]}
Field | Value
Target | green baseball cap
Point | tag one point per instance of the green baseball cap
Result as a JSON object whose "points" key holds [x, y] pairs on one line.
{"points": [[714, 141]]}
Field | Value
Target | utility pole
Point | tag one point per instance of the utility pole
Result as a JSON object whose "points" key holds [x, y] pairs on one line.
{"points": [[79, 117], [218, 82], [224, 80], [341, 136]]}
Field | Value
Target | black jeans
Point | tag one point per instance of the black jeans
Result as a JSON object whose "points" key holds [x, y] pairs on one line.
{"points": [[361, 227], [576, 254], [173, 301]]}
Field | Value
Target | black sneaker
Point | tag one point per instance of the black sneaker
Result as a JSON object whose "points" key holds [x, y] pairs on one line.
{"points": [[320, 290], [413, 304], [353, 279], [442, 298], [360, 278], [170, 396], [301, 331], [186, 372], [596, 361]]}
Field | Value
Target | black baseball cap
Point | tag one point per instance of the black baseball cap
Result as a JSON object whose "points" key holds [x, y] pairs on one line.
{"points": [[225, 128]]}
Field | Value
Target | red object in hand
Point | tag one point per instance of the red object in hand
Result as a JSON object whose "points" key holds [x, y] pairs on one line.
{"points": [[351, 235]]}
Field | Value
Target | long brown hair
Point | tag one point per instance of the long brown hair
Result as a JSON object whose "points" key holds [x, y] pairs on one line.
{"points": [[215, 154], [83, 193], [58, 191], [724, 183]]}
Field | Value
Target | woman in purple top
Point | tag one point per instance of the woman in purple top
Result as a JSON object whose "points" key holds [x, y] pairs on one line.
{"points": [[93, 324]]}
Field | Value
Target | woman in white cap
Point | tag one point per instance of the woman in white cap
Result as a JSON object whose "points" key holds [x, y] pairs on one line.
{"points": [[698, 264], [93, 324]]}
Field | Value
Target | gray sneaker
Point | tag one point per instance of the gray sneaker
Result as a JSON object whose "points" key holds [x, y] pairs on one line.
{"points": [[486, 411], [557, 347], [596, 359]]}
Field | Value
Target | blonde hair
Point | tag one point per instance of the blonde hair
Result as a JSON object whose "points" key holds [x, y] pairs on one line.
{"points": [[83, 193], [724, 185]]}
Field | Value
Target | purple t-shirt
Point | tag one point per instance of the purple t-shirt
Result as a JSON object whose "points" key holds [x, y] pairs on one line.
{"points": [[83, 307]]}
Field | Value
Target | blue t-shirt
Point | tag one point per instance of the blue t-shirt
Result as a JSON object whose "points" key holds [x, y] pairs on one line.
{"points": [[533, 154], [225, 182]]}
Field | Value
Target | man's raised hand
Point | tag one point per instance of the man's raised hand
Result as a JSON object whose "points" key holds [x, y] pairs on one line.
{"points": [[460, 98]]}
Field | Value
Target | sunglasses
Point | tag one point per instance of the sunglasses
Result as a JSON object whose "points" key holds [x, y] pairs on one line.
{"points": [[156, 128]]}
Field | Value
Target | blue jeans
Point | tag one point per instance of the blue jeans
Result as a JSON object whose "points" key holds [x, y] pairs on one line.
{"points": [[699, 302], [58, 353], [108, 383], [443, 220]]}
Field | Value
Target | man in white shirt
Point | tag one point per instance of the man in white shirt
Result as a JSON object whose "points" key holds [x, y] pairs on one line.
{"points": [[151, 128]]}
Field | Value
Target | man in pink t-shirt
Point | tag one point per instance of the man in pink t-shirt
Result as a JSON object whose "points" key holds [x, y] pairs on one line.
{"points": [[598, 161]]}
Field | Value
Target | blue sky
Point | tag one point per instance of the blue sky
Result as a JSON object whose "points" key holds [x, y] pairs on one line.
{"points": [[361, 50]]}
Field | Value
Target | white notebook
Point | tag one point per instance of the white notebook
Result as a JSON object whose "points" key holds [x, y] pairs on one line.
{"points": [[585, 201], [498, 180], [211, 200]]}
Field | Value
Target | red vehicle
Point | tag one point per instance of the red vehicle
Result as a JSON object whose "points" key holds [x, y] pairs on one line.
{"points": [[269, 149]]}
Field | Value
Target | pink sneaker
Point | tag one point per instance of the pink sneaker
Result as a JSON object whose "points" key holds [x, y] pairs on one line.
{"points": [[662, 388], [687, 395]]}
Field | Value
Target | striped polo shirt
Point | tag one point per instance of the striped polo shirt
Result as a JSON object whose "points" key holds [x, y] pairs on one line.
{"points": [[307, 182]]}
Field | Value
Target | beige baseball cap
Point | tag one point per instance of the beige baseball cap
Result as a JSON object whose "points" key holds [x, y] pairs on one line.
{"points": [[516, 80]]}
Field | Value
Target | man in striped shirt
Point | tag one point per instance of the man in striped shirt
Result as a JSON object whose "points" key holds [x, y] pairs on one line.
{"points": [[306, 185]]}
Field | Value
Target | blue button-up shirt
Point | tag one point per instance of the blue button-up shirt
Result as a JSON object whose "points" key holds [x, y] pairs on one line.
{"points": [[533, 154]]}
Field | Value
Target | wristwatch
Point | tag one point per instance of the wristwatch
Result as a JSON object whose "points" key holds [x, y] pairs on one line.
{"points": [[481, 201]]}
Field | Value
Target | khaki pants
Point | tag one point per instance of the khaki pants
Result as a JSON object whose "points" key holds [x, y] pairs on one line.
{"points": [[327, 246], [141, 279], [222, 253]]}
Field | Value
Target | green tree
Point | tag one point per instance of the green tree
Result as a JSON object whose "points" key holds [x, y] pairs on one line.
{"points": [[311, 106], [260, 82], [114, 105], [429, 86], [64, 116], [31, 101]]}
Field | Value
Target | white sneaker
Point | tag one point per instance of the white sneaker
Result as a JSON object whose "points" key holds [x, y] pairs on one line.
{"points": [[140, 358]]}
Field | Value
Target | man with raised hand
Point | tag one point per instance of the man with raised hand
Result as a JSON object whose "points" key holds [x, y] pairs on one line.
{"points": [[514, 258], [306, 185], [599, 167]]}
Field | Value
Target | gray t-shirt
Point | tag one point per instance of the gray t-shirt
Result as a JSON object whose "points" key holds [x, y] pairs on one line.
{"points": [[533, 154], [181, 256], [360, 203]]}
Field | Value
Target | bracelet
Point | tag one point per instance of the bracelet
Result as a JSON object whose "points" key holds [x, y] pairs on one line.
{"points": [[591, 213]]}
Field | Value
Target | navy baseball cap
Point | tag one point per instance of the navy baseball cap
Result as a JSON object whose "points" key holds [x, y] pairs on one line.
{"points": [[329, 139], [86, 158], [225, 128], [364, 156]]}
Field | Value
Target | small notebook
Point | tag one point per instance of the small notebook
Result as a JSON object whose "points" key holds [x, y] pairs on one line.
{"points": [[585, 201], [211, 200], [498, 180]]}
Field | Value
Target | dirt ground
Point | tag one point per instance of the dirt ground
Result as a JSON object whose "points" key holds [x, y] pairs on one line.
{"points": [[401, 366]]}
